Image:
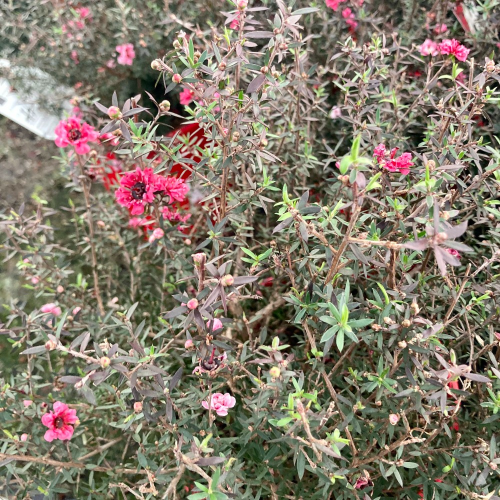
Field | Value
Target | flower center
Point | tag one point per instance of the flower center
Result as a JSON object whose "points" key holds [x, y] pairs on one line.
{"points": [[138, 190], [74, 134], [59, 423]]}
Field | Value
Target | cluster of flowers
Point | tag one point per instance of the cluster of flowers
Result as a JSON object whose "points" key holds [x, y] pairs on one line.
{"points": [[127, 54], [83, 16], [61, 420], [242, 5], [448, 47], [140, 187], [387, 159], [347, 13]]}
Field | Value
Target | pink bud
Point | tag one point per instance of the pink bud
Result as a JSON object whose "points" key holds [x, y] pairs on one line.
{"points": [[104, 362], [27, 402], [138, 406], [76, 310], [242, 4], [216, 324], [177, 78], [24, 437], [393, 419], [188, 344], [60, 289], [227, 280], [192, 304], [198, 258], [114, 113], [35, 280], [158, 233]]}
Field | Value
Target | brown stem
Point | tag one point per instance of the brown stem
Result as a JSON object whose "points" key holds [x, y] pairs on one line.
{"points": [[86, 194]]}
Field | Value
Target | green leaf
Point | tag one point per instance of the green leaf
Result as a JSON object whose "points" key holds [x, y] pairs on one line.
{"points": [[340, 340]]}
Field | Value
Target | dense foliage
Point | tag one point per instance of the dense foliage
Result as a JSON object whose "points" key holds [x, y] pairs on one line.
{"points": [[296, 294]]}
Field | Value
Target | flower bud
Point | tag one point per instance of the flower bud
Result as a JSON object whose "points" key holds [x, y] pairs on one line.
{"points": [[264, 70], [101, 223], [104, 362], [156, 65], [164, 106], [414, 308], [222, 66], [263, 142], [393, 419], [198, 258], [188, 344], [283, 46], [490, 66], [50, 345], [236, 137], [114, 113], [177, 45], [275, 372], [227, 280], [388, 320], [242, 4], [402, 344], [177, 78], [406, 323], [60, 289], [24, 437], [192, 304], [187, 242], [138, 406]]}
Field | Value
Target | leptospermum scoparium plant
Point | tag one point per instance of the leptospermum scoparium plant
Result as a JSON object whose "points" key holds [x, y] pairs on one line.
{"points": [[295, 295]]}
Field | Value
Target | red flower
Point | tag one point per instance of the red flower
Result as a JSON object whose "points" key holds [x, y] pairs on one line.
{"points": [[73, 132], [137, 189], [59, 422], [186, 96], [175, 188]]}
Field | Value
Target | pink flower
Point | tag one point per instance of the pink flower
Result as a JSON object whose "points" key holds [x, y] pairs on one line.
{"points": [[453, 252], [59, 422], [51, 308], [390, 162], [186, 96], [74, 57], [137, 189], [24, 437], [362, 483], [127, 54], [214, 325], [35, 280], [175, 188], [220, 403], [379, 153], [75, 133], [455, 48], [348, 15], [393, 419], [83, 12], [440, 28], [335, 112], [429, 48], [27, 402], [334, 4], [76, 310]]}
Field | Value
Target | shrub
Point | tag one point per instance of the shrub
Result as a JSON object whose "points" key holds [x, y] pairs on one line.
{"points": [[315, 317]]}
